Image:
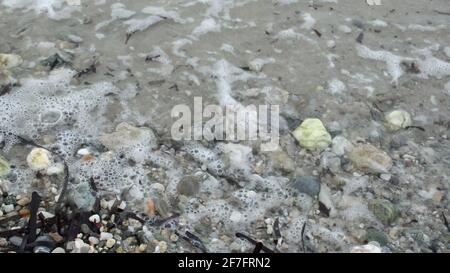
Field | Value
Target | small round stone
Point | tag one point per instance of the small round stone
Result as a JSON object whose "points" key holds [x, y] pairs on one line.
{"points": [[59, 250], [309, 185], [383, 210], [110, 243]]}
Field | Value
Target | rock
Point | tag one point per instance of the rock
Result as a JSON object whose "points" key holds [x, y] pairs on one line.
{"points": [[370, 159], [56, 237], [47, 214], [150, 207], [8, 61], [312, 135], [280, 160], [3, 242], [8, 208], [24, 212], [73, 2], [110, 242], [94, 218], [16, 240], [39, 159], [137, 141], [345, 29], [447, 51], [23, 201], [59, 250], [105, 236], [93, 240], [161, 247], [162, 207], [340, 145], [4, 167], [369, 248], [129, 244], [55, 169], [331, 44], [386, 176], [82, 197], [383, 210], [307, 184], [41, 249], [158, 187], [58, 59], [189, 185], [397, 120], [374, 235]]}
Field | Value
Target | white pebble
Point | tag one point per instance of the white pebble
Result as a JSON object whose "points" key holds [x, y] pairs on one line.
{"points": [[110, 243], [94, 218], [105, 236], [8, 208]]}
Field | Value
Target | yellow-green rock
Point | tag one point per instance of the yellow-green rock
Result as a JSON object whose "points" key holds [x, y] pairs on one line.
{"points": [[312, 135], [39, 159], [9, 61], [4, 166], [397, 120]]}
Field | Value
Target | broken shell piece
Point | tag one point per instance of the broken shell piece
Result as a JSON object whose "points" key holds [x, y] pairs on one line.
{"points": [[312, 135], [397, 120], [9, 61], [39, 159]]}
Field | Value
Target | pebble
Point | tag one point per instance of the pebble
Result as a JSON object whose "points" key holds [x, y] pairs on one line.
{"points": [[3, 242], [161, 247], [8, 208], [158, 187], [331, 44], [83, 152], [105, 236], [15, 240], [24, 212], [312, 134], [173, 237], [59, 250], [4, 166], [8, 61], [384, 210], [23, 201], [345, 29], [370, 159], [122, 205], [93, 240], [397, 120], [55, 169], [161, 206], [47, 214], [189, 185], [282, 161], [39, 159], [307, 184], [110, 242], [94, 218], [340, 145], [369, 248], [142, 248], [376, 236], [56, 237], [386, 176]]}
